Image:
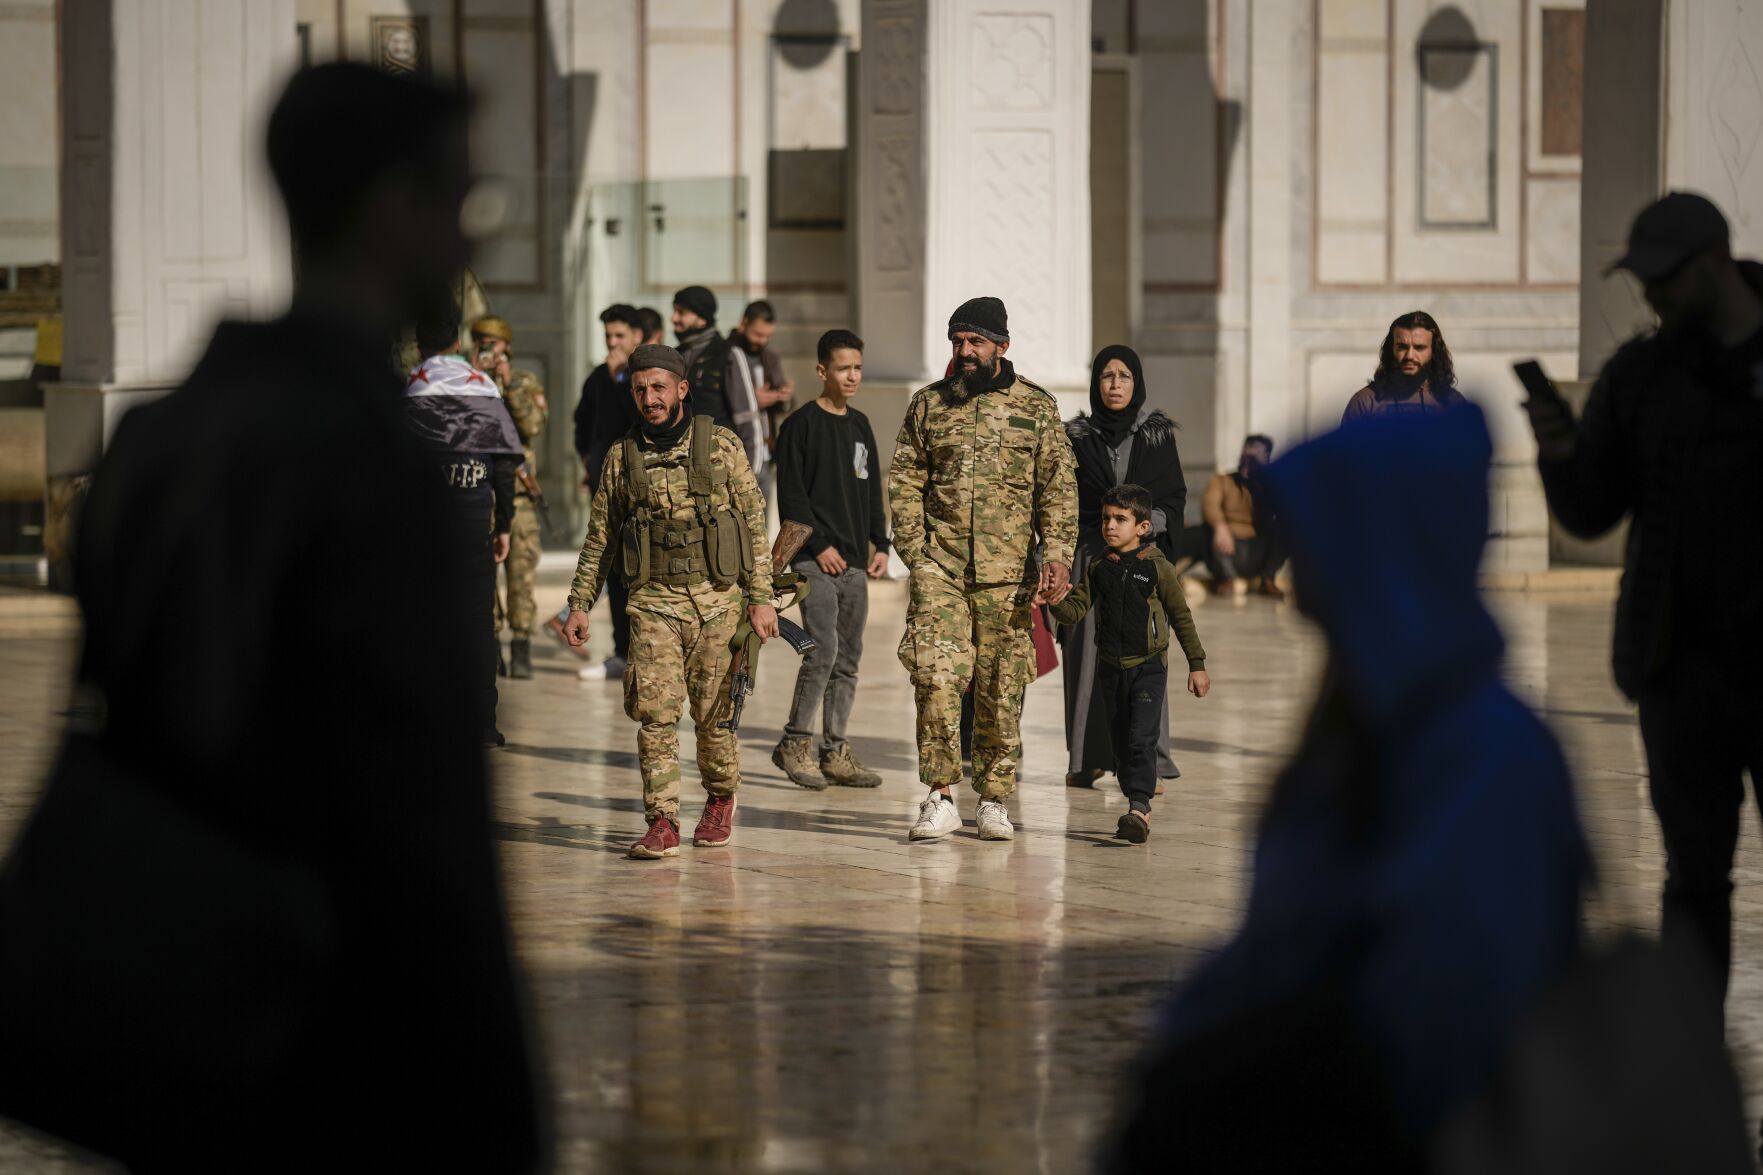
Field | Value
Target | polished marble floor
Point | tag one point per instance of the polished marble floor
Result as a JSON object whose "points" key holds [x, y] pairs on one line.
{"points": [[823, 995]]}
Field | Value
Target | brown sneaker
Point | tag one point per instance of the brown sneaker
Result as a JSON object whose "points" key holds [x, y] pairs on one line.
{"points": [[717, 824], [1082, 778], [795, 758], [1224, 587], [1266, 587], [841, 767], [1134, 827], [662, 840]]}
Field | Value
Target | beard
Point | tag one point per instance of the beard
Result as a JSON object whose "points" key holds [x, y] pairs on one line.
{"points": [[1402, 380], [977, 380]]}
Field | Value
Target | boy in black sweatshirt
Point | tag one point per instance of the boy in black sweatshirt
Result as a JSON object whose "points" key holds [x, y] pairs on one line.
{"points": [[1138, 601], [828, 476]]}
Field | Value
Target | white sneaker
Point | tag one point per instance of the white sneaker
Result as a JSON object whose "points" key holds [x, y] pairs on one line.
{"points": [[611, 669], [937, 818], [994, 821]]}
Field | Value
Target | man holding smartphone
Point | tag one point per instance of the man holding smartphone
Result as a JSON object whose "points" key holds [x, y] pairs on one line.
{"points": [[1672, 436]]}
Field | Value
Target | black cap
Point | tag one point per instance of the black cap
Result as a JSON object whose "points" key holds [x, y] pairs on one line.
{"points": [[699, 301], [982, 316], [1669, 232], [658, 355]]}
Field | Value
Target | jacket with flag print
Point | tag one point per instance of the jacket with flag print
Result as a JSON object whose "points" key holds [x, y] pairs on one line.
{"points": [[456, 413]]}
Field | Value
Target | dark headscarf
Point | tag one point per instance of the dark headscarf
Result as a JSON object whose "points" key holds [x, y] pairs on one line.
{"points": [[1112, 424]]}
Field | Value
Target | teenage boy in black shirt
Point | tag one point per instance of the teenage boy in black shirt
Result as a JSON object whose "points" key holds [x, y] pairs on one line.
{"points": [[830, 478], [1139, 603]]}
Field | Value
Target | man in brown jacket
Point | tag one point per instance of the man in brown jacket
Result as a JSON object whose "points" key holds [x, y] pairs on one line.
{"points": [[1231, 541]]}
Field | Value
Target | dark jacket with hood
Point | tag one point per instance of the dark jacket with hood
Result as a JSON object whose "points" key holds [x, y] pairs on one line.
{"points": [[706, 354], [1418, 869], [1661, 412], [1138, 602]]}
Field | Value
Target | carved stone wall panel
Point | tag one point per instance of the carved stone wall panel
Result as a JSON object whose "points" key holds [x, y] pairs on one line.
{"points": [[1011, 63], [1714, 119]]}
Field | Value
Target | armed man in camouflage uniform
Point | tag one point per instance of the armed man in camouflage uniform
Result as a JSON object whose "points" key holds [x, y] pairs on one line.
{"points": [[982, 465], [679, 510], [491, 339]]}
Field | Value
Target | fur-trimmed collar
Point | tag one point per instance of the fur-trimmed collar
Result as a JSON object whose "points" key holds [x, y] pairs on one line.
{"points": [[1155, 427]]}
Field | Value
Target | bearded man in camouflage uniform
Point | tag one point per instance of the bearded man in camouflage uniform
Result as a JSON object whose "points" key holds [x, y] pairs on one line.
{"points": [[981, 468], [679, 509], [491, 339]]}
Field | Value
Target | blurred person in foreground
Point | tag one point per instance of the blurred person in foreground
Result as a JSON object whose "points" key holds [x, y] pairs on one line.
{"points": [[256, 920], [1418, 868], [1672, 436]]}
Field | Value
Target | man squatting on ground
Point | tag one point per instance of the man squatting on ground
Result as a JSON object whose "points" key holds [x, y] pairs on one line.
{"points": [[679, 509], [1137, 598], [524, 396], [982, 467], [829, 477]]}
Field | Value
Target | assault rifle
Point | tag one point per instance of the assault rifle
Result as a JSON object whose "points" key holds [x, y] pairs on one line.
{"points": [[746, 642], [530, 484]]}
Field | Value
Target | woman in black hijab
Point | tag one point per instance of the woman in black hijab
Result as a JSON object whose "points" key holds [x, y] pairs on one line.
{"points": [[1119, 441]]}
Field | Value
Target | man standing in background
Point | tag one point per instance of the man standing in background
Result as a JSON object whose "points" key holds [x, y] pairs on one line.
{"points": [[491, 343], [756, 372], [604, 415], [829, 477]]}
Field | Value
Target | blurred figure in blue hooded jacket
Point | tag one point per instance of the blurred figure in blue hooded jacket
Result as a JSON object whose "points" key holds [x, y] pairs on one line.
{"points": [[1419, 865]]}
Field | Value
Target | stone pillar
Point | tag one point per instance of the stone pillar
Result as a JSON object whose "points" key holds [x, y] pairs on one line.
{"points": [[1272, 146], [989, 196], [169, 220], [1623, 166]]}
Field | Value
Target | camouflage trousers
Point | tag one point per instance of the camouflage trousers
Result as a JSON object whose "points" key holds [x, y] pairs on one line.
{"points": [[957, 633], [674, 660], [520, 570]]}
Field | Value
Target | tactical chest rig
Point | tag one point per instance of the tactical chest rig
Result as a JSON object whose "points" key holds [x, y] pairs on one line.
{"points": [[713, 546]]}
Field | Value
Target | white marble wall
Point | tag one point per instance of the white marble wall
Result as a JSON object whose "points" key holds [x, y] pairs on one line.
{"points": [[169, 220], [973, 178], [29, 232]]}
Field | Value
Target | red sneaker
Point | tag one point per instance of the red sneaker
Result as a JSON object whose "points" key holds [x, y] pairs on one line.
{"points": [[662, 840], [717, 824]]}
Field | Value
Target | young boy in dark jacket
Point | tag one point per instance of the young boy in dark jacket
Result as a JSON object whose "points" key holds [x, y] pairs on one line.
{"points": [[1138, 601]]}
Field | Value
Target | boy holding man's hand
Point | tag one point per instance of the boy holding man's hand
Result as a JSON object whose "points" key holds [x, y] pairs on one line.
{"points": [[1139, 602]]}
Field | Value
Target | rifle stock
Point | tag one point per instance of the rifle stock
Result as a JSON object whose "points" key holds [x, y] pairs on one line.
{"points": [[790, 537]]}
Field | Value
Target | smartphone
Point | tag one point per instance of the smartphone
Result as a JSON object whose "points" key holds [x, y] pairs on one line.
{"points": [[1536, 384]]}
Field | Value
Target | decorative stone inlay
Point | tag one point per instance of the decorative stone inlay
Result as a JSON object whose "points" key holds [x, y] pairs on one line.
{"points": [[1012, 67]]}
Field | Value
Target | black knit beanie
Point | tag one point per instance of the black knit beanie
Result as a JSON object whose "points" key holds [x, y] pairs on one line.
{"points": [[699, 301], [982, 316]]}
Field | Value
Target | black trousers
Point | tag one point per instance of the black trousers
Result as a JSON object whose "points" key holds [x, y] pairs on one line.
{"points": [[1260, 556], [1702, 723], [1134, 700], [617, 597]]}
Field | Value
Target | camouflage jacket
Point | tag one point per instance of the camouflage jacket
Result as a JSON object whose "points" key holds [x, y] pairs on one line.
{"points": [[525, 397], [601, 550], [977, 478]]}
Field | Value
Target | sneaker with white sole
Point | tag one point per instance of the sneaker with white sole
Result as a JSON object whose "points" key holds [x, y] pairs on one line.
{"points": [[611, 669], [937, 817], [994, 821]]}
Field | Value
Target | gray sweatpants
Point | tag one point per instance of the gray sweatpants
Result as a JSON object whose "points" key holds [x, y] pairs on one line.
{"points": [[834, 614]]}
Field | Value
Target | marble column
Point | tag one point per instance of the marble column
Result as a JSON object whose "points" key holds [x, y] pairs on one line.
{"points": [[169, 220], [973, 178]]}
